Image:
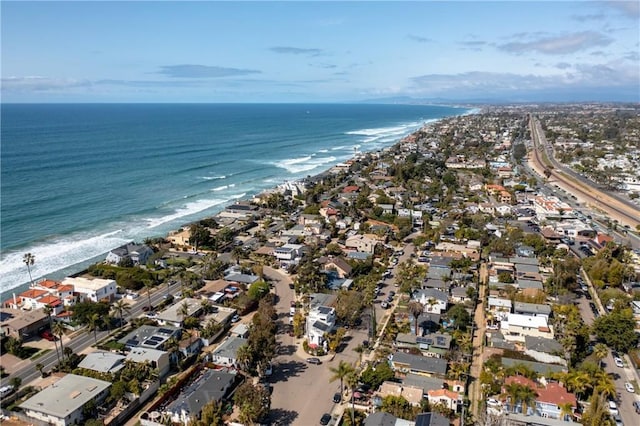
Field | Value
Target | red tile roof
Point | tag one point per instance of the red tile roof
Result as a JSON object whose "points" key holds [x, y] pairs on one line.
{"points": [[351, 188], [33, 293], [443, 392], [556, 394]]}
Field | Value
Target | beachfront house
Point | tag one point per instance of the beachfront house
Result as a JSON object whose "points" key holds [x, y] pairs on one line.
{"points": [[137, 253], [92, 289]]}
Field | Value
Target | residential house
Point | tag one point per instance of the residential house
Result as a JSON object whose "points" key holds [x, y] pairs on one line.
{"points": [[320, 321], [337, 264], [431, 419], [211, 385], [149, 336], [460, 294], [175, 314], [103, 362], [137, 253], [92, 289], [448, 398], [412, 394], [499, 308], [517, 326], [288, 253], [227, 353], [544, 350], [543, 370], [62, 403], [407, 363], [158, 360], [434, 301], [532, 309], [361, 243], [22, 324], [549, 397]]}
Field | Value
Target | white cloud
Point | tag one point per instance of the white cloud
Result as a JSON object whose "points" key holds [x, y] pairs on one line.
{"points": [[568, 43]]}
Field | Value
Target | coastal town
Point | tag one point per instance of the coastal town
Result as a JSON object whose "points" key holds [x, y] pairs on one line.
{"points": [[483, 270]]}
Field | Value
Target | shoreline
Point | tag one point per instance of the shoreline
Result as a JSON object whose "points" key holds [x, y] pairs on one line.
{"points": [[79, 267]]}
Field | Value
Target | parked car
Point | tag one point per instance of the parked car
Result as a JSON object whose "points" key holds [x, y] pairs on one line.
{"points": [[613, 408], [337, 397], [46, 334], [618, 362], [6, 390], [325, 419], [636, 406], [629, 387], [315, 361], [384, 304], [235, 318]]}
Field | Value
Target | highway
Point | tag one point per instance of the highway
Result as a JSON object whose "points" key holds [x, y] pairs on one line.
{"points": [[622, 210]]}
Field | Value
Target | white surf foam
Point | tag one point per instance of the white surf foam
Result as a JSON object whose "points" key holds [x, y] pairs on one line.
{"points": [[55, 255], [303, 164], [188, 210], [213, 177]]}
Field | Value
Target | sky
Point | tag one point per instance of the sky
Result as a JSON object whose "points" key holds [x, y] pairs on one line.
{"points": [[325, 51]]}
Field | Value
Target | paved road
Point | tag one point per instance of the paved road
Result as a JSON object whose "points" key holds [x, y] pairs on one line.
{"points": [[620, 375], [301, 391], [83, 340]]}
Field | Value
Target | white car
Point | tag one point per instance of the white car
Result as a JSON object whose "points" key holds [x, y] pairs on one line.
{"points": [[618, 362], [613, 408], [493, 402], [629, 387]]}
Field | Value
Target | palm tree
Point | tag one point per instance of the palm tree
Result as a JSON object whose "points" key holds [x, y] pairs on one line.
{"points": [[352, 383], [183, 311], [579, 382], [93, 325], [416, 308], [340, 372], [528, 397], [512, 391], [148, 285], [29, 259], [58, 330], [120, 307], [48, 310], [40, 368], [244, 356], [566, 410], [606, 387], [600, 351]]}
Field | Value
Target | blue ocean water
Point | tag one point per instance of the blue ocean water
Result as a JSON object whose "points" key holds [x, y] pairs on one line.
{"points": [[80, 179]]}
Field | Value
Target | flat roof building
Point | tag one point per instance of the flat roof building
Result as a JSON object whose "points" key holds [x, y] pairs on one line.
{"points": [[61, 403]]}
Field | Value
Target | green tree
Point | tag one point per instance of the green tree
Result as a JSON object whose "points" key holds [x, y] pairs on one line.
{"points": [[212, 414], [617, 329], [40, 369], [600, 351], [374, 377], [198, 235], [120, 307], [416, 309], [58, 330], [93, 325], [252, 401], [342, 370]]}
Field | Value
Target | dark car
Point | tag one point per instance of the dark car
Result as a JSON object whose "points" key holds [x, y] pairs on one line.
{"points": [[325, 419], [46, 334], [337, 397], [315, 361]]}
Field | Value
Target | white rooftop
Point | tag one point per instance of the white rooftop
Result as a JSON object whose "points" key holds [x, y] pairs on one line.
{"points": [[65, 396]]}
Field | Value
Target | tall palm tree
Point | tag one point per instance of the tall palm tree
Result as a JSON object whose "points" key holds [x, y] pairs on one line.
{"points": [[48, 310], [244, 356], [29, 259], [58, 330], [512, 390], [120, 307], [606, 387], [148, 285], [340, 372], [93, 324], [416, 308], [600, 351], [352, 382]]}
